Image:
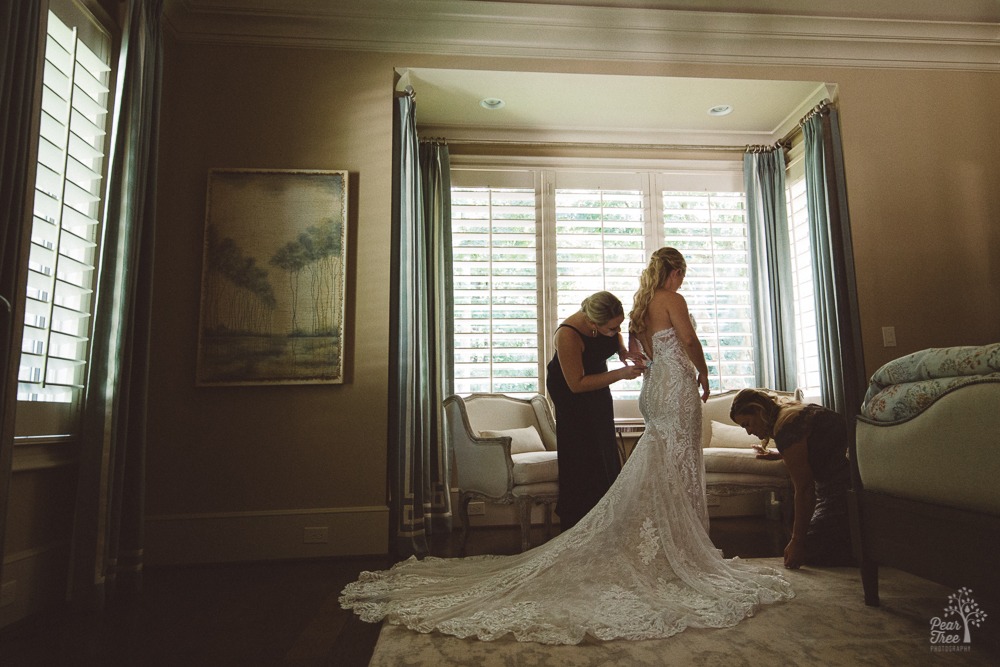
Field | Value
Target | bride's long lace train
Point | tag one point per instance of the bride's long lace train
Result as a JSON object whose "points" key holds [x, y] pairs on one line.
{"points": [[640, 565]]}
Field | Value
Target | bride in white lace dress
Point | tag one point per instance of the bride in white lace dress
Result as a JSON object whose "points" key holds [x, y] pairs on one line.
{"points": [[640, 565]]}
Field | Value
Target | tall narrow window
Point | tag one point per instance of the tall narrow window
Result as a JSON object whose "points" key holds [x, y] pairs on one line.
{"points": [[495, 252], [67, 208], [600, 245], [806, 341], [710, 229]]}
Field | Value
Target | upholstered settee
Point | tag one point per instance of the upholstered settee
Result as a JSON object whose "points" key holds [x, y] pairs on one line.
{"points": [[504, 451], [731, 464], [926, 470]]}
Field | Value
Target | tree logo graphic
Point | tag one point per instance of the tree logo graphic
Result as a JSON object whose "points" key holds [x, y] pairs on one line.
{"points": [[951, 630]]}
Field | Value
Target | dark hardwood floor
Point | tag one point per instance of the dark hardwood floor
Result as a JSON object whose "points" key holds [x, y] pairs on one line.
{"points": [[277, 613]]}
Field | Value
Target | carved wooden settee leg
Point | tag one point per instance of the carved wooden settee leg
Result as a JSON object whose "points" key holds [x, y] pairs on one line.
{"points": [[524, 513]]}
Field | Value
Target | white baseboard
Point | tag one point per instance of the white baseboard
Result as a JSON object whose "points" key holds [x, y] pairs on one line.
{"points": [[227, 537]]}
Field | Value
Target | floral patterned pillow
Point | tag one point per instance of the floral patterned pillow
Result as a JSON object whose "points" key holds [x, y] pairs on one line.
{"points": [[906, 386]]}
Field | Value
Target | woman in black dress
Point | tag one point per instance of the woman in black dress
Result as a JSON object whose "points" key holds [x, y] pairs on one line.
{"points": [[579, 382], [812, 441]]}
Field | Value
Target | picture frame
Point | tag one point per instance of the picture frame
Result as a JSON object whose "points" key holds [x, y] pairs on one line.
{"points": [[274, 273]]}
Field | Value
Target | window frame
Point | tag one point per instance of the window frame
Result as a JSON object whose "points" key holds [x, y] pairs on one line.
{"points": [[807, 354], [47, 420], [547, 175]]}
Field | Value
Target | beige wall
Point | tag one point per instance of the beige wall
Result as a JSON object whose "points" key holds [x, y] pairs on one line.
{"points": [[264, 461], [236, 473], [922, 161]]}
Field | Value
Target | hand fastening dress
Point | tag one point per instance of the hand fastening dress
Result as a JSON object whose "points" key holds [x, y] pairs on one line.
{"points": [[640, 565]]}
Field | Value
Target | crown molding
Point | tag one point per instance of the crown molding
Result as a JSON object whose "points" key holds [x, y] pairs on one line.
{"points": [[502, 29]]}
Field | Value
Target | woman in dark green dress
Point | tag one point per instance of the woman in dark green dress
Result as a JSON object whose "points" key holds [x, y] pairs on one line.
{"points": [[578, 383], [812, 441]]}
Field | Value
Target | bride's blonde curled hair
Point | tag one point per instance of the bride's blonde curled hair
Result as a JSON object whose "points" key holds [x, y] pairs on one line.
{"points": [[663, 262]]}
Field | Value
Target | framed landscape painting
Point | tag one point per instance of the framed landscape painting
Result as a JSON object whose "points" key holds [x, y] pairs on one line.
{"points": [[273, 275]]}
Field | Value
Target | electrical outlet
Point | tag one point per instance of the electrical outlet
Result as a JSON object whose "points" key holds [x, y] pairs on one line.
{"points": [[315, 535], [477, 508], [7, 593], [888, 336]]}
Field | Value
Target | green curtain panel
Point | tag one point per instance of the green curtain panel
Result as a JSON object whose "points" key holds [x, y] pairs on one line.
{"points": [[838, 324], [770, 267], [108, 527], [435, 173], [419, 473], [19, 39]]}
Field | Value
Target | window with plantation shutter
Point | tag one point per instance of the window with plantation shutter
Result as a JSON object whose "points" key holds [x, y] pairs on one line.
{"points": [[495, 253], [806, 340], [531, 244], [600, 245], [67, 208], [710, 229]]}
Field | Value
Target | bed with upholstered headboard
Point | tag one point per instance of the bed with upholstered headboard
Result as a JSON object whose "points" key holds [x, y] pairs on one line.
{"points": [[926, 470]]}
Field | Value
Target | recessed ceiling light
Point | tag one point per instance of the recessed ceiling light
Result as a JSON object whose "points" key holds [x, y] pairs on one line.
{"points": [[491, 103], [720, 110]]}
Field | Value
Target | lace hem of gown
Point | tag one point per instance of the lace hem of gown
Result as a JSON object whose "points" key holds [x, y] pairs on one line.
{"points": [[639, 566]]}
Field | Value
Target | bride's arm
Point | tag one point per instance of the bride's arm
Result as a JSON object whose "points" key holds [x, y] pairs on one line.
{"points": [[681, 320], [634, 352]]}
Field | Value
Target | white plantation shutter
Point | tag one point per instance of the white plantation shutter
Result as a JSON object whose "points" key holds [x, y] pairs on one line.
{"points": [[495, 253], [530, 245], [710, 229], [600, 245], [67, 211], [806, 340]]}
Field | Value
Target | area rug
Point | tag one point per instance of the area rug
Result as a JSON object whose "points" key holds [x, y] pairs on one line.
{"points": [[827, 623]]}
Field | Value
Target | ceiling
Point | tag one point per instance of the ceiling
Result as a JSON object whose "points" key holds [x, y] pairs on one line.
{"points": [[541, 106], [923, 10], [563, 107], [960, 11]]}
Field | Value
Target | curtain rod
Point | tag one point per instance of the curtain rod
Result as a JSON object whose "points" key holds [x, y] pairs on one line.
{"points": [[786, 141]]}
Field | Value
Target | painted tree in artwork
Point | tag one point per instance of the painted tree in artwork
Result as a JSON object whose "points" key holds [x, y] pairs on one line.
{"points": [[316, 255], [239, 297], [291, 257], [962, 604]]}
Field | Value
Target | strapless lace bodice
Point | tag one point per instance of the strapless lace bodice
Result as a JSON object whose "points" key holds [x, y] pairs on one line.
{"points": [[670, 404]]}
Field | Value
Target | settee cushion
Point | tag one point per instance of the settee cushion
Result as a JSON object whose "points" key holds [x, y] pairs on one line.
{"points": [[535, 467], [727, 435], [522, 440], [740, 460]]}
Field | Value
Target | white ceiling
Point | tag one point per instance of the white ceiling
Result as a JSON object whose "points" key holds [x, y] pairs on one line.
{"points": [[622, 109], [919, 34]]}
